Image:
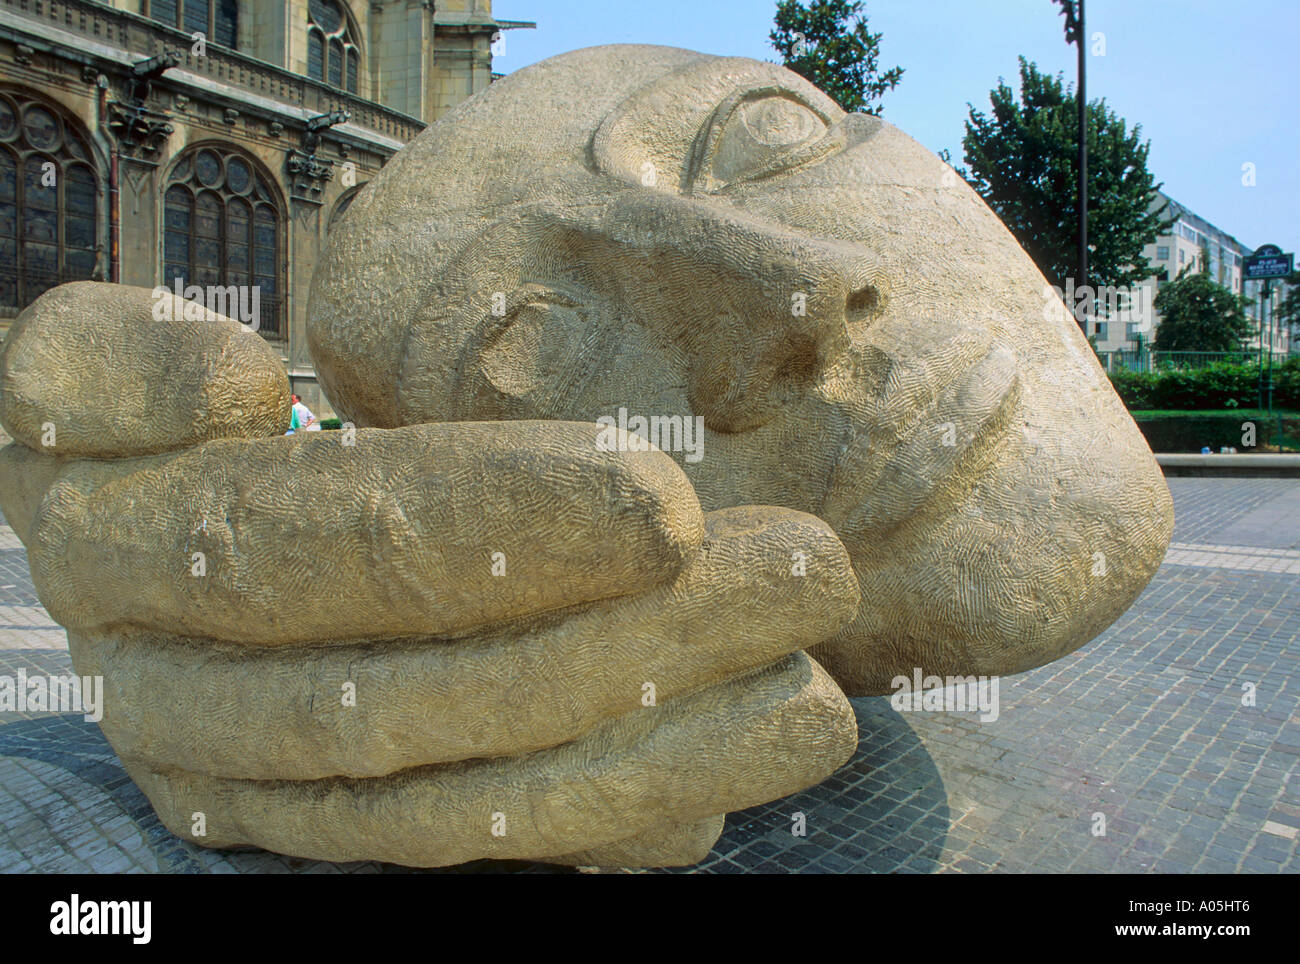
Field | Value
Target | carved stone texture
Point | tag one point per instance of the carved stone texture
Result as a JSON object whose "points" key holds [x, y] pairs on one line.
{"points": [[675, 233], [66, 392], [301, 164], [137, 128], [492, 621]]}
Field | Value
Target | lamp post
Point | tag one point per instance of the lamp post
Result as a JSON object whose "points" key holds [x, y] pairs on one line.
{"points": [[1265, 331], [1073, 11]]}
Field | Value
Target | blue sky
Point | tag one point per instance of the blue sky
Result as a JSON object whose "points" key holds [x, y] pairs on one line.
{"points": [[1214, 85]]}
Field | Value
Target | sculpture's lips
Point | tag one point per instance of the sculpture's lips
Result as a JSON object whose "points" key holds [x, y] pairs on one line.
{"points": [[877, 484]]}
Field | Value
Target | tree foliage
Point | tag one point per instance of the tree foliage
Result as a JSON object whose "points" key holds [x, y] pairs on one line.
{"points": [[1199, 314], [1288, 311], [1022, 159], [827, 42]]}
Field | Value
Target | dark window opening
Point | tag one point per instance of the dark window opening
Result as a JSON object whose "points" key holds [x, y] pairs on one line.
{"points": [[217, 20], [332, 53], [49, 219], [222, 226]]}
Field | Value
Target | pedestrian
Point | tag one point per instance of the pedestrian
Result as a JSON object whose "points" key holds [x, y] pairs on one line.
{"points": [[301, 417]]}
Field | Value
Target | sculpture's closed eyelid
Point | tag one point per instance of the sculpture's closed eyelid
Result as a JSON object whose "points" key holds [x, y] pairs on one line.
{"points": [[702, 176]]}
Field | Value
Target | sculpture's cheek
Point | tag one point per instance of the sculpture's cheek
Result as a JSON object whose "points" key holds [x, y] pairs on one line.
{"points": [[1015, 564]]}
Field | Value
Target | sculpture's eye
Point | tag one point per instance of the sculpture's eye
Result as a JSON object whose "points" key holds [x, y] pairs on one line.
{"points": [[758, 133]]}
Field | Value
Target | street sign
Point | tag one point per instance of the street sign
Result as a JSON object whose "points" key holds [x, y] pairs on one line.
{"points": [[1268, 261]]}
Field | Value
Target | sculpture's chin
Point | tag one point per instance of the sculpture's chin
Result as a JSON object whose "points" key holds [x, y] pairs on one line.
{"points": [[1012, 563]]}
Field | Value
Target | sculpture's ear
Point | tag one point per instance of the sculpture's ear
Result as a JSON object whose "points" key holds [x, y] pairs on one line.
{"points": [[516, 329], [522, 352], [531, 354]]}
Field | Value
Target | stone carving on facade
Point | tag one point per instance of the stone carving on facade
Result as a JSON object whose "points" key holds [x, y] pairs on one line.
{"points": [[137, 128], [300, 163], [140, 130], [307, 171]]}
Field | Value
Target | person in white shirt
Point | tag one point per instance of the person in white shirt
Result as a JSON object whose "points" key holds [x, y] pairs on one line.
{"points": [[301, 417]]}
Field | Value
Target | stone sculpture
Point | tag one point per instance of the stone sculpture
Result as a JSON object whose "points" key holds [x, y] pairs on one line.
{"points": [[491, 622]]}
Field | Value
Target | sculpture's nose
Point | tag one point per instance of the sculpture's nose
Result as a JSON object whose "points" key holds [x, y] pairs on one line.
{"points": [[759, 313]]}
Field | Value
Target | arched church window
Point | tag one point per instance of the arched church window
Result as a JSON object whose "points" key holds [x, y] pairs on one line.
{"points": [[49, 221], [218, 20], [332, 52], [223, 225], [341, 207]]}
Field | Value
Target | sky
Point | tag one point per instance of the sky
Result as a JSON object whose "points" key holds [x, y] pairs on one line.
{"points": [[1213, 85]]}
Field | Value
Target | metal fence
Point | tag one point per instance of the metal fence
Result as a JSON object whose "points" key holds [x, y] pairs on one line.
{"points": [[1193, 432], [1142, 360]]}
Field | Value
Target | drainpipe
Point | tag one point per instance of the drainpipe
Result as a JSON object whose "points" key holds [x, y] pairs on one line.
{"points": [[114, 223], [114, 213]]}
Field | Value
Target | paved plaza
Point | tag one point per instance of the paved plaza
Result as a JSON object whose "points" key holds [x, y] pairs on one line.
{"points": [[1144, 734]]}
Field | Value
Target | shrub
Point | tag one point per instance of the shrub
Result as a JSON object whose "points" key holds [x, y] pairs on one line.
{"points": [[1218, 386], [331, 423]]}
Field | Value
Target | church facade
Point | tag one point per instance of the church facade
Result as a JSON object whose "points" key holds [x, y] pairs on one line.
{"points": [[212, 143]]}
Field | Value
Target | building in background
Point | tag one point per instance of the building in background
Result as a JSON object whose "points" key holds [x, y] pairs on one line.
{"points": [[1190, 240], [143, 141]]}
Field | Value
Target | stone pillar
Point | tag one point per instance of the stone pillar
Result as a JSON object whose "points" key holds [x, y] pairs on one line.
{"points": [[399, 47], [139, 196]]}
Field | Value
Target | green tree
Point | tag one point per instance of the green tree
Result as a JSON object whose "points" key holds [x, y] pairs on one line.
{"points": [[1199, 314], [827, 41], [1023, 161], [1288, 311]]}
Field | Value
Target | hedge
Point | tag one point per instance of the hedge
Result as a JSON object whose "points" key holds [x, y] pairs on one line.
{"points": [[1219, 386], [1190, 431]]}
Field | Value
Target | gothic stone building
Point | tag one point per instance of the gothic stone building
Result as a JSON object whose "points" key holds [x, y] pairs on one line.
{"points": [[214, 141]]}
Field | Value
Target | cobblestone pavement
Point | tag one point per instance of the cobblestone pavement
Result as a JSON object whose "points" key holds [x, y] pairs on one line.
{"points": [[1144, 728]]}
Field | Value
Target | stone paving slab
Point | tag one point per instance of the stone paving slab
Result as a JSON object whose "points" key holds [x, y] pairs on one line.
{"points": [[1139, 753], [1233, 557]]}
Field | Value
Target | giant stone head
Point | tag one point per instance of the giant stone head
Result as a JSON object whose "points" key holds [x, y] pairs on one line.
{"points": [[677, 234]]}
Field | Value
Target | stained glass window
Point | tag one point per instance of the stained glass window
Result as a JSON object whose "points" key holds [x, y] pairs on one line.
{"points": [[197, 15], [332, 53], [352, 68], [166, 11], [49, 202], [218, 20], [315, 55], [223, 226]]}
